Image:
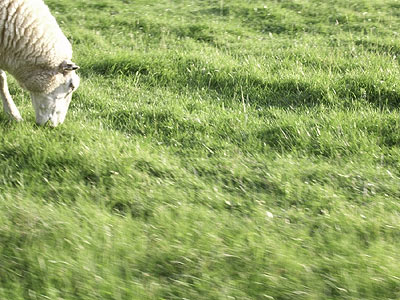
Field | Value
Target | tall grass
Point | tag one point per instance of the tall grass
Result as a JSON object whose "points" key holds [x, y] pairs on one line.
{"points": [[215, 150]]}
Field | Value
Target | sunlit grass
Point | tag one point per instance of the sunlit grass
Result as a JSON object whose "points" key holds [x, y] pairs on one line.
{"points": [[215, 150]]}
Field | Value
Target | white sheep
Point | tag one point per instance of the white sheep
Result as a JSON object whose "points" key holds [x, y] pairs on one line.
{"points": [[35, 51]]}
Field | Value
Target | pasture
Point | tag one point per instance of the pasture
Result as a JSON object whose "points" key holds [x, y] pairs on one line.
{"points": [[216, 149]]}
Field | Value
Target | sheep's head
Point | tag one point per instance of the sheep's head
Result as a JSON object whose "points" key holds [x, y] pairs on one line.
{"points": [[52, 106]]}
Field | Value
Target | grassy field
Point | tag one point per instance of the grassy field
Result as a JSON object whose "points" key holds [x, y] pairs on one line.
{"points": [[216, 149]]}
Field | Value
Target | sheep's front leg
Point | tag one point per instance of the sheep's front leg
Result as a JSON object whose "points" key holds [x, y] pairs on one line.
{"points": [[8, 103]]}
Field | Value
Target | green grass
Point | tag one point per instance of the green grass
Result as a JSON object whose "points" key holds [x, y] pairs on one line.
{"points": [[215, 150]]}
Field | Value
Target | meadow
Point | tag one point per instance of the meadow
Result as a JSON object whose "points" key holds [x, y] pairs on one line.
{"points": [[216, 149]]}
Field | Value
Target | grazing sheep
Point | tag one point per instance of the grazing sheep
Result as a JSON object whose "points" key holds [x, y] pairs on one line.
{"points": [[35, 51]]}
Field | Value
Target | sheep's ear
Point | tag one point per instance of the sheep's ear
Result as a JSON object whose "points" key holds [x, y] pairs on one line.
{"points": [[68, 66]]}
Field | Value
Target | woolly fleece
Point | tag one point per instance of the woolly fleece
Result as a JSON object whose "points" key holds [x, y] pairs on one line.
{"points": [[32, 45]]}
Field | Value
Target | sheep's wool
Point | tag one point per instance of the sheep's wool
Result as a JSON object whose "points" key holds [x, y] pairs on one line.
{"points": [[31, 43]]}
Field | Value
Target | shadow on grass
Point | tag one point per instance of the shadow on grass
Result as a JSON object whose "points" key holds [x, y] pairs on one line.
{"points": [[235, 83], [115, 66], [254, 90], [4, 119], [361, 88], [382, 48]]}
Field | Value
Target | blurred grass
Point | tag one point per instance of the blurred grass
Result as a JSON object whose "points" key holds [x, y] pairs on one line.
{"points": [[215, 150]]}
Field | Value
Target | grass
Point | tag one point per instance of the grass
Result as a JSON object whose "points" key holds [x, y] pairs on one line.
{"points": [[215, 150]]}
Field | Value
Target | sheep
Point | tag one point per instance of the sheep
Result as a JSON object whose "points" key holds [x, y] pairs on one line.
{"points": [[37, 54]]}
